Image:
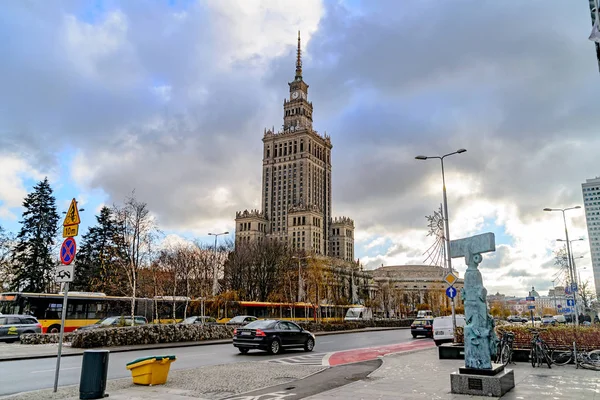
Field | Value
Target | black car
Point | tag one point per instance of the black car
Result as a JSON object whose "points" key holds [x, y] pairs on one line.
{"points": [[422, 327], [272, 336]]}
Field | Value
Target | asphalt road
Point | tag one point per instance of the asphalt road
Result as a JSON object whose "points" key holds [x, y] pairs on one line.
{"points": [[27, 375]]}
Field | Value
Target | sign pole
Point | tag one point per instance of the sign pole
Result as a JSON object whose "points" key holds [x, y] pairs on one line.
{"points": [[65, 272], [62, 330]]}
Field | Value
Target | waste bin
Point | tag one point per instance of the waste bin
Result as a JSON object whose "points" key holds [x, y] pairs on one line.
{"points": [[152, 370], [94, 369]]}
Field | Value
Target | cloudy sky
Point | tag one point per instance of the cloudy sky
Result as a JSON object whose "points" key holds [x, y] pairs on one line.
{"points": [[170, 98]]}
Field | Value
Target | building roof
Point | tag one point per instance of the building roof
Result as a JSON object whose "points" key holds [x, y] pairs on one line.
{"points": [[410, 271]]}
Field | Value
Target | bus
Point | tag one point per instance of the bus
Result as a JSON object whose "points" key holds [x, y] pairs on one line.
{"points": [[87, 308], [287, 311]]}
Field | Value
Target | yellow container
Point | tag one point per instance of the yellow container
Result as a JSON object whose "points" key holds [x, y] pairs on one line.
{"points": [[152, 370]]}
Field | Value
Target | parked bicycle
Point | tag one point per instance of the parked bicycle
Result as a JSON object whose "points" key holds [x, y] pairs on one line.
{"points": [[540, 352], [505, 350], [583, 359]]}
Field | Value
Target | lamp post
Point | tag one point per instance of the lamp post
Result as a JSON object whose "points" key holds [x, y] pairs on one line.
{"points": [[215, 286], [446, 225], [570, 264]]}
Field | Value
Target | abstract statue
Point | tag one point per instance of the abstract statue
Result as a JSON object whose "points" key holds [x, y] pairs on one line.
{"points": [[479, 334]]}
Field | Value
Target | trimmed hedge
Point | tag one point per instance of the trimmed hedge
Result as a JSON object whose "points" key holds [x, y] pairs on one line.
{"points": [[39, 338], [557, 337], [173, 333], [149, 334]]}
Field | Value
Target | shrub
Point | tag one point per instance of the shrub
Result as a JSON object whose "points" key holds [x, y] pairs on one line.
{"points": [[173, 333], [557, 337], [38, 338]]}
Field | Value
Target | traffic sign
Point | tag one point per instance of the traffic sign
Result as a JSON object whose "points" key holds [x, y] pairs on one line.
{"points": [[70, 231], [450, 279], [559, 306], [567, 289], [574, 286], [72, 217], [67, 251], [571, 302], [566, 310], [64, 273], [530, 298], [531, 307], [451, 292]]}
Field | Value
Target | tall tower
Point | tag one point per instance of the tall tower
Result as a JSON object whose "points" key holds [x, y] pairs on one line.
{"points": [[591, 201], [296, 195], [296, 183]]}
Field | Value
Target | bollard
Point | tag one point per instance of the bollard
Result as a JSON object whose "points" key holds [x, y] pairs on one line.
{"points": [[94, 370]]}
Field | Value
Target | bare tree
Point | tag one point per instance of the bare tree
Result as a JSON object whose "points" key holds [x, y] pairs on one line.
{"points": [[136, 234], [586, 294]]}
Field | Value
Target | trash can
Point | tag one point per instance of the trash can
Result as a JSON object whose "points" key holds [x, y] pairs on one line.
{"points": [[94, 369], [152, 370]]}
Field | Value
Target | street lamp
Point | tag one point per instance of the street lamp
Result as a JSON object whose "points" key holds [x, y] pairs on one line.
{"points": [[215, 287], [446, 227], [299, 278], [568, 243]]}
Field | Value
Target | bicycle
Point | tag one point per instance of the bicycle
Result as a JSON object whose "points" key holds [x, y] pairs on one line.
{"points": [[540, 352], [505, 350], [583, 359]]}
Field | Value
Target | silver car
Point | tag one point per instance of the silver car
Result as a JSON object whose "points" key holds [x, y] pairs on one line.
{"points": [[12, 326]]}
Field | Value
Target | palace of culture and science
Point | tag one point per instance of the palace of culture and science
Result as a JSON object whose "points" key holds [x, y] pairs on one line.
{"points": [[296, 185]]}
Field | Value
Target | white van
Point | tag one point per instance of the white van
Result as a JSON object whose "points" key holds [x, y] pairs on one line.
{"points": [[358, 314], [442, 328]]}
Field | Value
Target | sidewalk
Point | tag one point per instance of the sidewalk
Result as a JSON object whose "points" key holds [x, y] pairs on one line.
{"points": [[421, 375], [16, 351]]}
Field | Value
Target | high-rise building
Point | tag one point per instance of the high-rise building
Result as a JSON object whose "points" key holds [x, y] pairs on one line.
{"points": [[591, 201], [296, 184]]}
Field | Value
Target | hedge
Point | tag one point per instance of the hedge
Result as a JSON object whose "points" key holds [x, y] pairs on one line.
{"points": [[557, 337], [173, 333]]}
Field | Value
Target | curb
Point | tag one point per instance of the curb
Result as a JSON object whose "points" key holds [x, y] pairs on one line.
{"points": [[178, 345]]}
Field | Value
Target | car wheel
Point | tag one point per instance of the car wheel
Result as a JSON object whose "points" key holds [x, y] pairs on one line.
{"points": [[53, 329], [275, 347], [414, 336], [243, 350], [309, 345]]}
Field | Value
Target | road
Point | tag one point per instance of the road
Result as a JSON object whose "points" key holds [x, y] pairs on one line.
{"points": [[27, 375]]}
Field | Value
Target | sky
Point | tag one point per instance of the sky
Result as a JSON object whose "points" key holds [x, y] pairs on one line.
{"points": [[170, 98]]}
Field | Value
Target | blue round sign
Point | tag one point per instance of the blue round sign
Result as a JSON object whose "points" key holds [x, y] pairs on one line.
{"points": [[67, 251], [451, 292]]}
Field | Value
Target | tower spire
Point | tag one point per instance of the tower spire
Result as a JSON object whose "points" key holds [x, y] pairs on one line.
{"points": [[299, 60]]}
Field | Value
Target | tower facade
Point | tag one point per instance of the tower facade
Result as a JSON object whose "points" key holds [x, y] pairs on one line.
{"points": [[296, 179], [591, 201]]}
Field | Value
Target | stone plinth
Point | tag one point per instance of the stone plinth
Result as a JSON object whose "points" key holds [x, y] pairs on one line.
{"points": [[495, 383]]}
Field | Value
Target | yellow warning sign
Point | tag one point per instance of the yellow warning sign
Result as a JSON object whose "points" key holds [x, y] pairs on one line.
{"points": [[72, 217], [450, 279], [70, 231]]}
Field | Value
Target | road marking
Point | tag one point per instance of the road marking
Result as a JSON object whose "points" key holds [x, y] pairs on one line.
{"points": [[52, 370]]}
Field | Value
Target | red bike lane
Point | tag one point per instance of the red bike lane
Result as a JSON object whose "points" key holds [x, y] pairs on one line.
{"points": [[370, 353]]}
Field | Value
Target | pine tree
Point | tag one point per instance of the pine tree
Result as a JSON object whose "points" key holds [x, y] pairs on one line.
{"points": [[95, 268], [33, 261]]}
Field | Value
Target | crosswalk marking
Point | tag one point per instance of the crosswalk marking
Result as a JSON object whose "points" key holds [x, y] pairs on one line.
{"points": [[308, 359]]}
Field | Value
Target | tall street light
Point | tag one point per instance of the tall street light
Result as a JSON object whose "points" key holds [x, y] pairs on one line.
{"points": [[446, 227], [215, 286], [299, 277], [570, 264]]}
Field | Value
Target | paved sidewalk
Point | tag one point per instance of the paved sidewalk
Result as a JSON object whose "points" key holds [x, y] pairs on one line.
{"points": [[17, 351], [421, 375]]}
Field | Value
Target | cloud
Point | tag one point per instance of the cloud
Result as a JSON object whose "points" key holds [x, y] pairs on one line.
{"points": [[172, 100]]}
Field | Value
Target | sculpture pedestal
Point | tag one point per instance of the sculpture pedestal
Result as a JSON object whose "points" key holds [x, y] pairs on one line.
{"points": [[493, 382]]}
